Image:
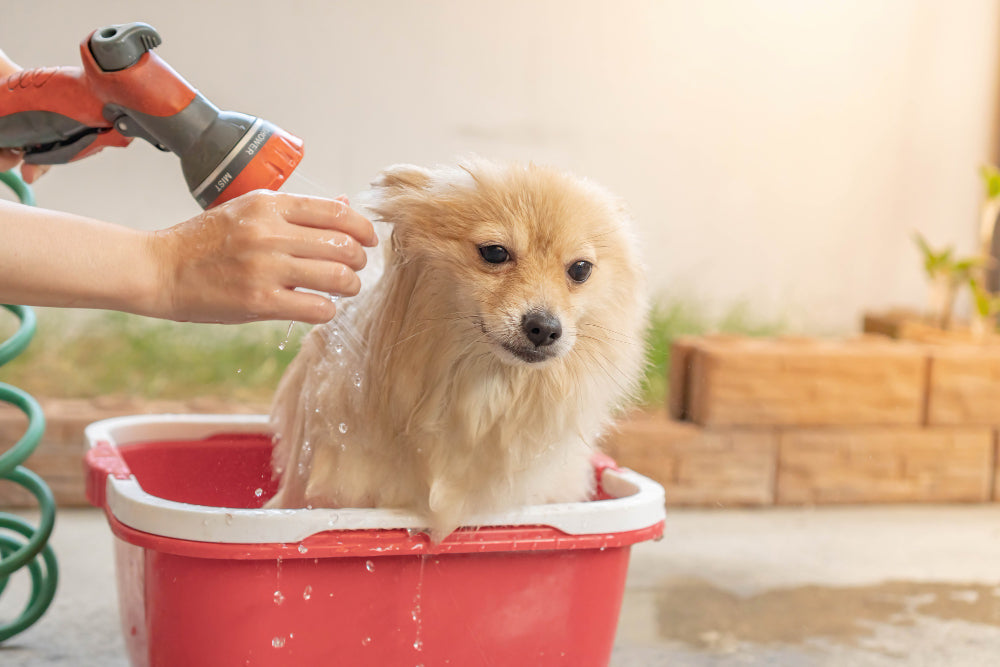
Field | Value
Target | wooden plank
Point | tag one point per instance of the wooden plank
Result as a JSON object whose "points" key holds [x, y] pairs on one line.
{"points": [[964, 385], [876, 465], [698, 466], [806, 382]]}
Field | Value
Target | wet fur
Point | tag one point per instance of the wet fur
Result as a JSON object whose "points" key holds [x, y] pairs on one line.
{"points": [[446, 422]]}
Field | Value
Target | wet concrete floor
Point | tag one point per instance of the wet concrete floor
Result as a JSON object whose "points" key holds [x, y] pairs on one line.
{"points": [[866, 586], [874, 586]]}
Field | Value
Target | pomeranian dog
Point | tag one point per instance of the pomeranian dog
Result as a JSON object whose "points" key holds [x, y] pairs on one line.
{"points": [[477, 374]]}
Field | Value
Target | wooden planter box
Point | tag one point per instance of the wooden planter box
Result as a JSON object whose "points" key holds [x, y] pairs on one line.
{"points": [[801, 421], [749, 422], [797, 382]]}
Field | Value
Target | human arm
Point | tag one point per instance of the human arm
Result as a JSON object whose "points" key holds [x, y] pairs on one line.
{"points": [[239, 262]]}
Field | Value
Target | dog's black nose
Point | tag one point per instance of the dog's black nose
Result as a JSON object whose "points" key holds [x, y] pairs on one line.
{"points": [[541, 327]]}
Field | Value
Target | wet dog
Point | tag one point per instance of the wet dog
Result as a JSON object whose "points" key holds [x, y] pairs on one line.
{"points": [[476, 375]]}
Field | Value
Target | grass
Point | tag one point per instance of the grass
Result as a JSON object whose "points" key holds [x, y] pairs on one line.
{"points": [[84, 354], [671, 318]]}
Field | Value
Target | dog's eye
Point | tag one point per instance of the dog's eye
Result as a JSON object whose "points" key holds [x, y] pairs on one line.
{"points": [[494, 254], [580, 271]]}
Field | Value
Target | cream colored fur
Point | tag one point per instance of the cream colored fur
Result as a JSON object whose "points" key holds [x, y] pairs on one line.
{"points": [[439, 417]]}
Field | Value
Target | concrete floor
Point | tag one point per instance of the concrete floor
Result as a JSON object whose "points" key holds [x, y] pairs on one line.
{"points": [[866, 586]]}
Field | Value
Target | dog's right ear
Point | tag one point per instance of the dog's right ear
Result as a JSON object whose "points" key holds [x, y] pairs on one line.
{"points": [[403, 177]]}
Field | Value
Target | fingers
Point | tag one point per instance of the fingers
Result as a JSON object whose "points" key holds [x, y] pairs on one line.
{"points": [[32, 172], [302, 307], [9, 158], [329, 246], [244, 260], [329, 214], [324, 277]]}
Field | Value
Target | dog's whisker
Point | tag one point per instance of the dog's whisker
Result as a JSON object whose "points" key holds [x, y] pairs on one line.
{"points": [[415, 334], [605, 339], [614, 374], [604, 328]]}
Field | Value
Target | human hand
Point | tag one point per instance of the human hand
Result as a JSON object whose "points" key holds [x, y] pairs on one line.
{"points": [[11, 158], [242, 260]]}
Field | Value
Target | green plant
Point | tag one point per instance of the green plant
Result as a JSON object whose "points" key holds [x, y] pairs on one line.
{"points": [[84, 354], [986, 307], [989, 212], [946, 274], [986, 303], [991, 180], [671, 318]]}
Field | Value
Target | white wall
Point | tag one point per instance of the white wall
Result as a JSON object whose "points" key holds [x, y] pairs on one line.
{"points": [[778, 152]]}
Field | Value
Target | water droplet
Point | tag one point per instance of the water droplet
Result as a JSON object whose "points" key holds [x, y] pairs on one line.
{"points": [[307, 593], [258, 492], [370, 566], [278, 642], [338, 347], [357, 380], [303, 549], [343, 446], [278, 597], [415, 614], [418, 644], [343, 427], [366, 641], [332, 520], [288, 333], [239, 370]]}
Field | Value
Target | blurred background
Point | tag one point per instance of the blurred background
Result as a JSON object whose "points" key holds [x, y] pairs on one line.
{"points": [[778, 155]]}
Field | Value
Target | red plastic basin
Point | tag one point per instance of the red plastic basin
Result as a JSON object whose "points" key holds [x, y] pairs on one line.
{"points": [[206, 577]]}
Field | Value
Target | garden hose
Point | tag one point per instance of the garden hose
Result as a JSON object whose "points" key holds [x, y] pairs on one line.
{"points": [[21, 544]]}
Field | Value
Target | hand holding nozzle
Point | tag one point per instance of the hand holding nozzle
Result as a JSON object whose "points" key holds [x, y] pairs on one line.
{"points": [[241, 261], [123, 90], [238, 262]]}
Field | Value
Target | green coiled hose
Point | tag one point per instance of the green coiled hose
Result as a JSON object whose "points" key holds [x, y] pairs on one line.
{"points": [[21, 544]]}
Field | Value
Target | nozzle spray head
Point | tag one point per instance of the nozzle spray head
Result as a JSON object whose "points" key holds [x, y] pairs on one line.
{"points": [[263, 156], [223, 154]]}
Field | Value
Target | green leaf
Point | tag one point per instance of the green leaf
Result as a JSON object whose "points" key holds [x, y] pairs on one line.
{"points": [[991, 179]]}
